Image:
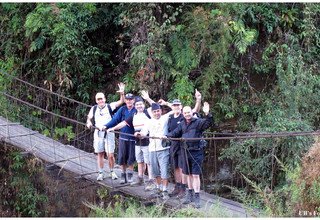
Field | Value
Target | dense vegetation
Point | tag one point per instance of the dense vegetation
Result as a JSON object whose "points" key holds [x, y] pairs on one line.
{"points": [[256, 64], [22, 191], [112, 206]]}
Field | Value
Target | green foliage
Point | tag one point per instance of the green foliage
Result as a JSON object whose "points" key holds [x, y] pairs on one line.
{"points": [[183, 89], [255, 157], [269, 203], [27, 200], [292, 198], [151, 25], [296, 81], [59, 50], [185, 57], [128, 207], [243, 37], [65, 133], [64, 26], [21, 177]]}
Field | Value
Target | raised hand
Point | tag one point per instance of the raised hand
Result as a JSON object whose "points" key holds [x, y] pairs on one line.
{"points": [[144, 94], [206, 108], [197, 95], [121, 87]]}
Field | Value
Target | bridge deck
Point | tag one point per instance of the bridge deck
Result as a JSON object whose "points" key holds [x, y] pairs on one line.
{"points": [[84, 164]]}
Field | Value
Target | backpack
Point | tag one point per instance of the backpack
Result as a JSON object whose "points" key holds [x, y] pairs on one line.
{"points": [[145, 111], [109, 109]]}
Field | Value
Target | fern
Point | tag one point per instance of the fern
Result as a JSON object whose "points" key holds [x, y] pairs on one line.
{"points": [[182, 89], [38, 43], [185, 56], [242, 37]]}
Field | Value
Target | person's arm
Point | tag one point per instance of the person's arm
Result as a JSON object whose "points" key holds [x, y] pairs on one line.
{"points": [[121, 91], [122, 124], [163, 102], [115, 120], [176, 132], [118, 126], [145, 96], [89, 118], [198, 101], [206, 122], [144, 131]]}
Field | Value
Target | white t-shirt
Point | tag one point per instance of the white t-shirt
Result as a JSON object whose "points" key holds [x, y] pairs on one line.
{"points": [[156, 128], [139, 120], [102, 115]]}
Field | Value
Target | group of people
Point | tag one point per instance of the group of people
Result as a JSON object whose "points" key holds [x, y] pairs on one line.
{"points": [[147, 137]]}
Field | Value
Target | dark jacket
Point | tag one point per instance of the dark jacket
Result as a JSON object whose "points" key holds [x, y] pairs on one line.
{"points": [[194, 129], [173, 123]]}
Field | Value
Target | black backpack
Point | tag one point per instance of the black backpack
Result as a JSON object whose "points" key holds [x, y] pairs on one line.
{"points": [[145, 111]]}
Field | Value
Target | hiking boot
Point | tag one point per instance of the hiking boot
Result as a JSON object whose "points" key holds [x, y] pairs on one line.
{"points": [[149, 186], [165, 195], [196, 200], [181, 194], [100, 176], [175, 191], [130, 177], [123, 179], [139, 182], [113, 175], [188, 197]]}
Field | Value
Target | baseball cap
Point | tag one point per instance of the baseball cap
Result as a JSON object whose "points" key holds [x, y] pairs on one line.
{"points": [[176, 102], [155, 106], [138, 99], [100, 95], [129, 96]]}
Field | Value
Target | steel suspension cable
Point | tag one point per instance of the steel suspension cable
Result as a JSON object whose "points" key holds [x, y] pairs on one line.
{"points": [[45, 90]]}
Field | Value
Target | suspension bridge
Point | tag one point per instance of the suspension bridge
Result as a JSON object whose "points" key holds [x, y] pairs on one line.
{"points": [[41, 126]]}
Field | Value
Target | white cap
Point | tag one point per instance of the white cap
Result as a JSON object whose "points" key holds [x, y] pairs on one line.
{"points": [[100, 95]]}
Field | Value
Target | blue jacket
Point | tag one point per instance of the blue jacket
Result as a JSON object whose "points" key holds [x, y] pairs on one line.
{"points": [[194, 129], [123, 114]]}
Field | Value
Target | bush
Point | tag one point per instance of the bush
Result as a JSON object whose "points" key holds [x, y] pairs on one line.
{"points": [[300, 194], [255, 158], [119, 206]]}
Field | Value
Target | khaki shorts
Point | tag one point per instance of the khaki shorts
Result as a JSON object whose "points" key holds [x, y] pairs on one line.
{"points": [[103, 144], [142, 154]]}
